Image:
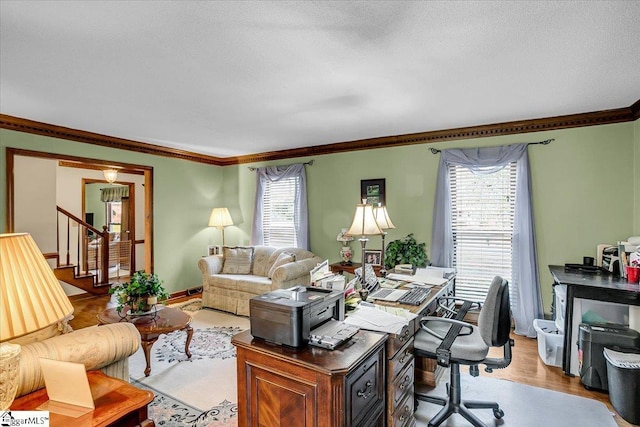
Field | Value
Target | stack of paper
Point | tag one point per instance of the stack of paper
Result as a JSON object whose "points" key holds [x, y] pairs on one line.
{"points": [[369, 317]]}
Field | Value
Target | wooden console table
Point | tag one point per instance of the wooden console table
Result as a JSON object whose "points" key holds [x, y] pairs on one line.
{"points": [[311, 386], [117, 402]]}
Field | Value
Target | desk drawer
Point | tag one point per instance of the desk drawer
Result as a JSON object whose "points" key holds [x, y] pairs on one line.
{"points": [[364, 388], [397, 341], [402, 384], [403, 415], [400, 360]]}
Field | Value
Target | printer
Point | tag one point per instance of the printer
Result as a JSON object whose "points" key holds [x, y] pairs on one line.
{"points": [[287, 316]]}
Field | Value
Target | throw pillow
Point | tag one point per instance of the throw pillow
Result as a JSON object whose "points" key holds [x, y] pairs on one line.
{"points": [[283, 258], [237, 260]]}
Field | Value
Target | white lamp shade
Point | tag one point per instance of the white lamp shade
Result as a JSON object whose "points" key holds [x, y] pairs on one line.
{"points": [[382, 218], [110, 175], [220, 218], [31, 298], [364, 223]]}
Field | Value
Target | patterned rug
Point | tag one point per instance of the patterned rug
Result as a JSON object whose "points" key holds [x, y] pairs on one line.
{"points": [[199, 391]]}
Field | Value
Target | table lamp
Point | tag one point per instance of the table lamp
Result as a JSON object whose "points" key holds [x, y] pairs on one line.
{"points": [[384, 222], [220, 218], [31, 298], [364, 224]]}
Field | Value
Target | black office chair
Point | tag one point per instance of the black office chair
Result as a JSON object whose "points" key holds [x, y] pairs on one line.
{"points": [[453, 342]]}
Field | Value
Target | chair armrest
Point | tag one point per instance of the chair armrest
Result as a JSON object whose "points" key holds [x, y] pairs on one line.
{"points": [[210, 265], [96, 347], [294, 270], [427, 319], [454, 312]]}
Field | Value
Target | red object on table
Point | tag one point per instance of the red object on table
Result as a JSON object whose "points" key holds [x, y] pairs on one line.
{"points": [[633, 274]]}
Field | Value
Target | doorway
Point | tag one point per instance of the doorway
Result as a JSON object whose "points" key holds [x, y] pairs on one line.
{"points": [[32, 194]]}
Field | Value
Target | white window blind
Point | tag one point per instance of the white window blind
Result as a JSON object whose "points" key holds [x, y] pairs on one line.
{"points": [[278, 212], [482, 214]]}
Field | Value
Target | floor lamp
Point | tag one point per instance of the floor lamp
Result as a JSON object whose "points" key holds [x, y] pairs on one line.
{"points": [[220, 218], [364, 224], [384, 222]]}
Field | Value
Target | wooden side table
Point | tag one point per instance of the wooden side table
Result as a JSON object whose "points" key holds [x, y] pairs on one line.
{"points": [[341, 269], [165, 320], [117, 403]]}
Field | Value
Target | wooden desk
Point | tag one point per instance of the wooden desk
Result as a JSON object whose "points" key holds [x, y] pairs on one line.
{"points": [[403, 369], [117, 403], [165, 320], [311, 386], [599, 287]]}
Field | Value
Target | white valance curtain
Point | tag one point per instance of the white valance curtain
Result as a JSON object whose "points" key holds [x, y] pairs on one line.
{"points": [[300, 211], [114, 194], [527, 303]]}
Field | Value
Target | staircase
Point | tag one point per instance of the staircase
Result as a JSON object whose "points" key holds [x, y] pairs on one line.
{"points": [[82, 243], [67, 273]]}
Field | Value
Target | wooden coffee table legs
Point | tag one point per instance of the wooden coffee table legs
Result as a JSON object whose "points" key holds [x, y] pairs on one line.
{"points": [[148, 340]]}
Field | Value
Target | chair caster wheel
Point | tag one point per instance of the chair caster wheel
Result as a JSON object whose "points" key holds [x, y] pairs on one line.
{"points": [[498, 413]]}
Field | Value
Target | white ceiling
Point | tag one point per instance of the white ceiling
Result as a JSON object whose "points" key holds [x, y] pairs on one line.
{"points": [[229, 78]]}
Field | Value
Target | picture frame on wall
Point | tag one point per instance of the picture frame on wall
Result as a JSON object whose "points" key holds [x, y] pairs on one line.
{"points": [[214, 250], [372, 257], [373, 191]]}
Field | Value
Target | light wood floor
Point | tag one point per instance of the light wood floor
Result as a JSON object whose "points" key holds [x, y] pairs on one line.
{"points": [[526, 366]]}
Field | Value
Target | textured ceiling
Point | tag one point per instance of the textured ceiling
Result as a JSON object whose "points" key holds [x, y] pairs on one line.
{"points": [[234, 78]]}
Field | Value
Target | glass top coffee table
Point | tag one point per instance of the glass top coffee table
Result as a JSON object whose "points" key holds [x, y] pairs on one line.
{"points": [[151, 326]]}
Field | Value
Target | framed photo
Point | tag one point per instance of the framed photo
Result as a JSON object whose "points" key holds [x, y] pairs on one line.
{"points": [[372, 190], [372, 257], [214, 250]]}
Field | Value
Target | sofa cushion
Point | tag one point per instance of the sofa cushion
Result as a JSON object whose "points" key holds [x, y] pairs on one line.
{"points": [[261, 257], [237, 260], [254, 285], [283, 258]]}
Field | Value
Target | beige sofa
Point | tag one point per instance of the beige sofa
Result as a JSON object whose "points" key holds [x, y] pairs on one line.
{"points": [[105, 347], [232, 291]]}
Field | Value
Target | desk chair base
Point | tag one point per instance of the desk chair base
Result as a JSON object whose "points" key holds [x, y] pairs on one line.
{"points": [[454, 405]]}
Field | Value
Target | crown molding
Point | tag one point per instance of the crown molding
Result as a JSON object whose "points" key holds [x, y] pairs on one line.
{"points": [[618, 115], [635, 110], [46, 129]]}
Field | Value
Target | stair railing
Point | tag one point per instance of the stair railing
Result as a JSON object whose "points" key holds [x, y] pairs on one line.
{"points": [[90, 250]]}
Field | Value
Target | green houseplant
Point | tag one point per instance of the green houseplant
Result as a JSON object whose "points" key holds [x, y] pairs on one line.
{"points": [[141, 293], [405, 251]]}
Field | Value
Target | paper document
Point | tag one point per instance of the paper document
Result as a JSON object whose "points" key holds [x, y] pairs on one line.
{"points": [[446, 272], [430, 276], [367, 317], [422, 275], [319, 271]]}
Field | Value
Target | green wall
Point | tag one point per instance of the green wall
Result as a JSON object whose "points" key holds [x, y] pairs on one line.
{"points": [[585, 192], [184, 193]]}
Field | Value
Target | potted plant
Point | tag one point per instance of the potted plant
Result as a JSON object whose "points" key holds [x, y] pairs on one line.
{"points": [[141, 293], [405, 251]]}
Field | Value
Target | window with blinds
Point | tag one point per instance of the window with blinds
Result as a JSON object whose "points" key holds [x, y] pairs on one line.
{"points": [[482, 214], [278, 215]]}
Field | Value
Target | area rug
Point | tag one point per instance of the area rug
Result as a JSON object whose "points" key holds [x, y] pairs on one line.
{"points": [[523, 405], [199, 391]]}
